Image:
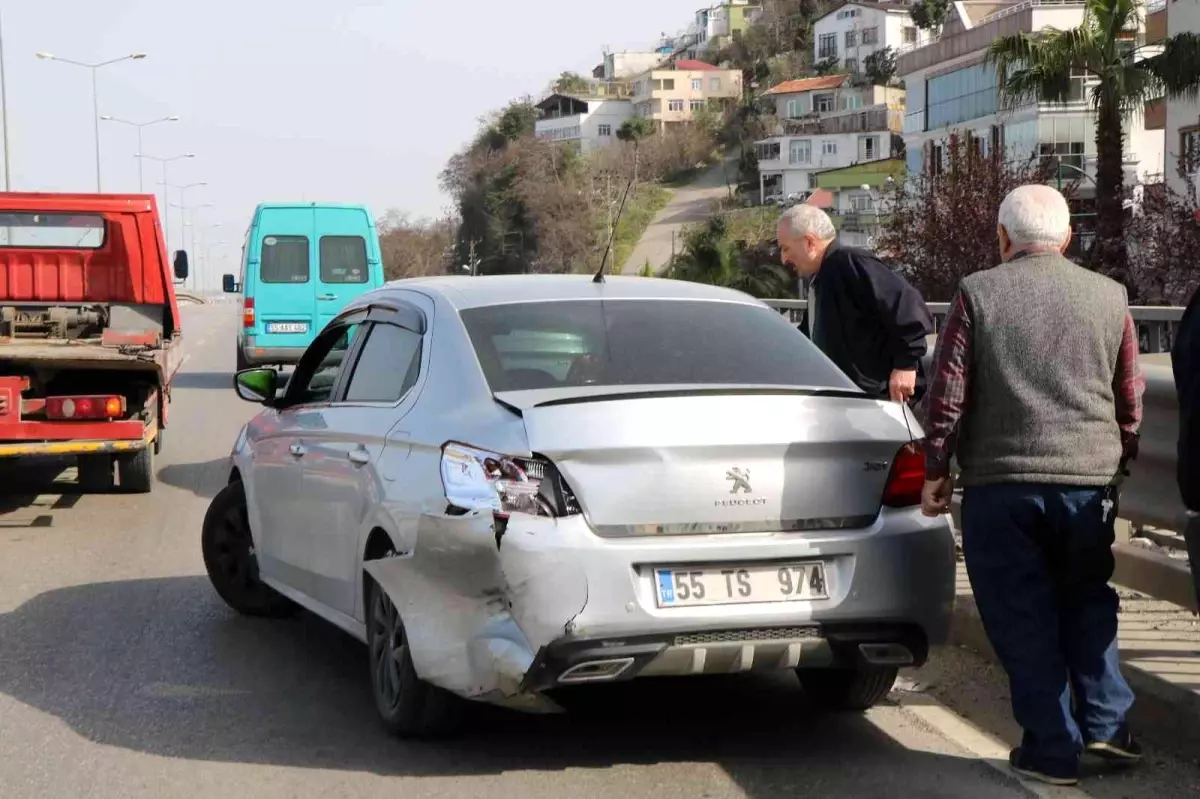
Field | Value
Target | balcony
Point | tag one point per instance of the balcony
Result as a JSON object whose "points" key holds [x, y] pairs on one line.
{"points": [[872, 119], [855, 221]]}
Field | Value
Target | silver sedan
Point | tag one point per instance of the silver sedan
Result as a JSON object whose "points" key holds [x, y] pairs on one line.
{"points": [[506, 485]]}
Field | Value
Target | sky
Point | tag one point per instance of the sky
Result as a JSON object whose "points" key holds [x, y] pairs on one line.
{"points": [[354, 101]]}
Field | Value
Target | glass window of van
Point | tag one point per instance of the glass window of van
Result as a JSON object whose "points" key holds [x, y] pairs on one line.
{"points": [[284, 259], [343, 259]]}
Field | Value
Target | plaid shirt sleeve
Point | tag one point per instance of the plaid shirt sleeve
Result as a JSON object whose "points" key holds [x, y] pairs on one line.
{"points": [[1128, 386], [947, 399]]}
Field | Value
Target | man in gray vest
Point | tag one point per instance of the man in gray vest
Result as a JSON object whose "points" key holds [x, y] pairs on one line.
{"points": [[1036, 390]]}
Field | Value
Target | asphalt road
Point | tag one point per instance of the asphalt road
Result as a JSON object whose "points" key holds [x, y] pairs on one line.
{"points": [[122, 674]]}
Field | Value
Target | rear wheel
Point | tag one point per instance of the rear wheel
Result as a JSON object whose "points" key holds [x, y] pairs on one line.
{"points": [[408, 706], [95, 473], [136, 471], [853, 689], [242, 363], [229, 557]]}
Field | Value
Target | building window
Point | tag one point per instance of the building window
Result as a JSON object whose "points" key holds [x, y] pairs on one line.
{"points": [[827, 46], [870, 36], [860, 202], [824, 102], [604, 130], [852, 65], [936, 163], [870, 148], [851, 101], [800, 151], [714, 84], [961, 95], [908, 34], [767, 151], [697, 84], [668, 84], [1189, 150], [698, 105], [851, 39], [850, 12], [829, 147], [674, 105], [812, 180], [1064, 152], [795, 109]]}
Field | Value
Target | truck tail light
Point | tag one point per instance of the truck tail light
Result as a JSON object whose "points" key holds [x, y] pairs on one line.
{"points": [[907, 477], [248, 312], [85, 407]]}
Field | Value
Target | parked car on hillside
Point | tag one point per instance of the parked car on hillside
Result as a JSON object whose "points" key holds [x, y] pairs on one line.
{"points": [[504, 485]]}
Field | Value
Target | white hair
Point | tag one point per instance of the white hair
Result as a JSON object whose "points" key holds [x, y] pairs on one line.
{"points": [[1035, 214], [803, 220]]}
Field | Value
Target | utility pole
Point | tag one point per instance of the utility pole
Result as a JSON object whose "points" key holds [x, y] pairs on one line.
{"points": [[473, 261], [4, 110]]}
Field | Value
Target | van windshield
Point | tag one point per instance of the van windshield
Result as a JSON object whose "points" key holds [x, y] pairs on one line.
{"points": [[284, 259]]}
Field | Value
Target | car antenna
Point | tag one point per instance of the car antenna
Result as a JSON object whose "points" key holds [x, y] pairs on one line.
{"points": [[612, 234]]}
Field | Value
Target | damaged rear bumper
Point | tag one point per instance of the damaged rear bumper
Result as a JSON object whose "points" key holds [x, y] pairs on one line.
{"points": [[504, 614]]}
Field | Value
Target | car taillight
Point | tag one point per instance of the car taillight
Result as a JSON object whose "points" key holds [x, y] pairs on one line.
{"points": [[475, 479], [85, 407], [906, 478], [248, 312]]}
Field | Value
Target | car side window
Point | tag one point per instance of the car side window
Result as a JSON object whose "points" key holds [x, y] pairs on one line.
{"points": [[387, 367], [317, 374]]}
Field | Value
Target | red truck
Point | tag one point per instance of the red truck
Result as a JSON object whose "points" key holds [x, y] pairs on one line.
{"points": [[90, 333]]}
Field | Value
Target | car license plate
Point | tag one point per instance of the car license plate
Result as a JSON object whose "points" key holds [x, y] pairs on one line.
{"points": [[287, 327], [734, 585]]}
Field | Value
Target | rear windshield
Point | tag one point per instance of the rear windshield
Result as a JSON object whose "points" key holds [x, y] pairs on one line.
{"points": [[642, 342], [343, 259], [284, 259], [52, 231]]}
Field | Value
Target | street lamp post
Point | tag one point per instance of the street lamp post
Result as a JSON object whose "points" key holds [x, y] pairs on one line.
{"points": [[166, 198], [139, 126], [4, 111], [95, 100]]}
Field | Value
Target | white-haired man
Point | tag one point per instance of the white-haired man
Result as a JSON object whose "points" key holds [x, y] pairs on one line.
{"points": [[1036, 389], [865, 317]]}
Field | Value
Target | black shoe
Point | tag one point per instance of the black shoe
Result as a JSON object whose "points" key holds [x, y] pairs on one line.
{"points": [[1120, 749], [1049, 775]]}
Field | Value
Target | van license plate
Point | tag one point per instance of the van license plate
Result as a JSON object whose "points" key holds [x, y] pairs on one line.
{"points": [[735, 585], [287, 327]]}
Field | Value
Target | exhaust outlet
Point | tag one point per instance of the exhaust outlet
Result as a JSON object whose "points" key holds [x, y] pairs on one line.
{"points": [[886, 654], [595, 671]]}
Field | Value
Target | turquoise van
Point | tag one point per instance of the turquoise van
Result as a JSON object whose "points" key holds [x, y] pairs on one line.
{"points": [[301, 264]]}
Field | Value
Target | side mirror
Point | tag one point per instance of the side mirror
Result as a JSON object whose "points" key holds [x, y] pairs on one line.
{"points": [[228, 284], [257, 385], [181, 265]]}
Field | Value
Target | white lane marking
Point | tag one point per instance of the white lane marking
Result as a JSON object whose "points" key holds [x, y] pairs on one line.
{"points": [[988, 748]]}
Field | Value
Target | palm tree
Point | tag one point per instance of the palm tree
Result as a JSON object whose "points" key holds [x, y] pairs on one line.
{"points": [[635, 129], [1123, 75], [710, 256]]}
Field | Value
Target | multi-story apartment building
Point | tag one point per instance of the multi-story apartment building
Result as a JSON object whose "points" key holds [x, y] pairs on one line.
{"points": [[1180, 117], [825, 123], [590, 122], [951, 89], [855, 197], [627, 64], [716, 26], [673, 94], [853, 31]]}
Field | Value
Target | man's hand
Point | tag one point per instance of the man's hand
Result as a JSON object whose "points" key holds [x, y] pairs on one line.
{"points": [[936, 496], [902, 385]]}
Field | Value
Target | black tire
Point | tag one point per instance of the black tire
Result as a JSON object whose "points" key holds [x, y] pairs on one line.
{"points": [[408, 706], [95, 473], [242, 363], [136, 471], [855, 689], [229, 559]]}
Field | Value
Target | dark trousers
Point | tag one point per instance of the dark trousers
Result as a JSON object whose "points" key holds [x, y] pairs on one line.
{"points": [[1039, 559], [1192, 535]]}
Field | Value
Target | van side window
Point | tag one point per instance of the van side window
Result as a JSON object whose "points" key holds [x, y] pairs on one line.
{"points": [[284, 259], [343, 259]]}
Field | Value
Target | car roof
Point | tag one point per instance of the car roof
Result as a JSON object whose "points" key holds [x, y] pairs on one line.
{"points": [[476, 292]]}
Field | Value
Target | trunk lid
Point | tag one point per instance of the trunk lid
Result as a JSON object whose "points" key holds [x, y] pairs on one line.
{"points": [[701, 460]]}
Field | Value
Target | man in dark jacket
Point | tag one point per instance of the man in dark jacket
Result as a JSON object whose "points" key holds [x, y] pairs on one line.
{"points": [[865, 317], [1185, 360]]}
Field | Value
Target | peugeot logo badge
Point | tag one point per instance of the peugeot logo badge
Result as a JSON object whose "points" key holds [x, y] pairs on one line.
{"points": [[740, 478]]}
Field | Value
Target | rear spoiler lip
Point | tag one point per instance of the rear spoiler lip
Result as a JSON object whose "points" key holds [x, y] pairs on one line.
{"points": [[713, 391]]}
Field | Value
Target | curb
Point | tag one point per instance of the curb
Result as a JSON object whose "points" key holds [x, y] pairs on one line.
{"points": [[1171, 711]]}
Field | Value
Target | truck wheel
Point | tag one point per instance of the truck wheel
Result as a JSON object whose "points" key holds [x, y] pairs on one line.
{"points": [[853, 689], [95, 473], [136, 471], [242, 363], [229, 558], [408, 706]]}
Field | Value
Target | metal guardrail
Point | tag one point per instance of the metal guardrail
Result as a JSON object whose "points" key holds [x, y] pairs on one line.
{"points": [[1150, 496]]}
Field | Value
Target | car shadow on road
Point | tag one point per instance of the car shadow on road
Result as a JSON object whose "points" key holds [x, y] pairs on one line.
{"points": [[203, 380], [202, 479], [160, 666]]}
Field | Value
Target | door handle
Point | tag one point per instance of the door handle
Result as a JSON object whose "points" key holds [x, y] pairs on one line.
{"points": [[359, 457], [327, 297], [297, 450]]}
